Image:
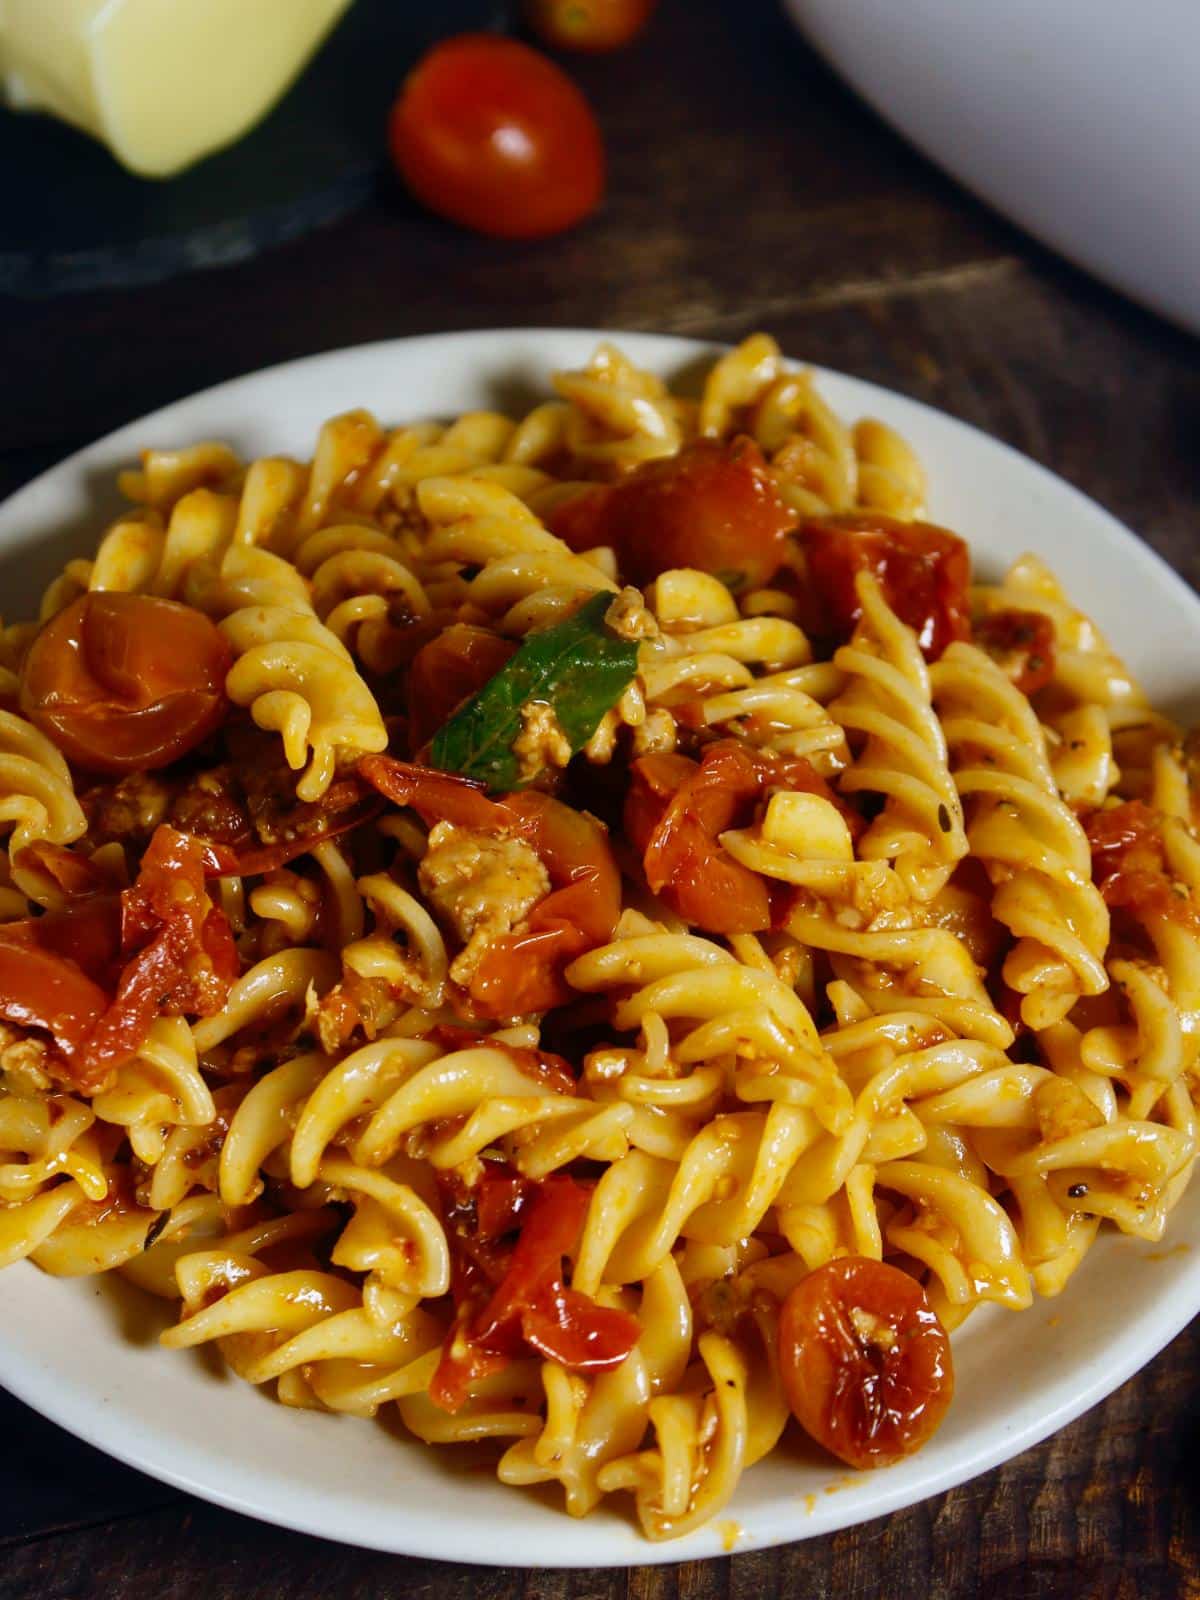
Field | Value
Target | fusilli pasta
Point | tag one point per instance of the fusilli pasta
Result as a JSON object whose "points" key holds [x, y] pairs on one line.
{"points": [[500, 920]]}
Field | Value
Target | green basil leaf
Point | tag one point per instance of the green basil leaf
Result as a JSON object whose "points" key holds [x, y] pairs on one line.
{"points": [[578, 667]]}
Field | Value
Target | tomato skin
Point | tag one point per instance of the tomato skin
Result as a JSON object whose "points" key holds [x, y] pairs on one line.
{"points": [[1022, 643], [684, 863], [924, 571], [491, 134], [438, 796], [96, 973], [73, 874], [712, 506], [507, 1302], [674, 812], [869, 1398], [592, 26], [39, 989], [448, 670], [126, 682]]}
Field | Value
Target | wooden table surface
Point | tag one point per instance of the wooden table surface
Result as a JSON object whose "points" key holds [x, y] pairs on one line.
{"points": [[748, 189]]}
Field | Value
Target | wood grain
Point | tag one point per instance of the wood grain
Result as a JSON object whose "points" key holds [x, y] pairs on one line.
{"points": [[747, 189]]}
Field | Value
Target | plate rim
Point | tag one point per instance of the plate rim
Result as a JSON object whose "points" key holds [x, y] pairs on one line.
{"points": [[87, 1419]]}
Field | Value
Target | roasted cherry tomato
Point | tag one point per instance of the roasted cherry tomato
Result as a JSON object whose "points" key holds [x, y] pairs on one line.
{"points": [[712, 506], [925, 573], [673, 814], [493, 135], [39, 989], [96, 973], [1021, 643], [510, 1302], [447, 671], [591, 25], [126, 682], [865, 1362], [521, 972], [675, 811]]}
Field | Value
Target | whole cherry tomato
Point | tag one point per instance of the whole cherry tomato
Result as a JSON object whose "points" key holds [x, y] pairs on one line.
{"points": [[864, 1360], [591, 25], [712, 506], [126, 682], [493, 135]]}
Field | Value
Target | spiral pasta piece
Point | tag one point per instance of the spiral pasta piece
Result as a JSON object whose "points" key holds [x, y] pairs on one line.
{"points": [[37, 803], [1030, 843]]}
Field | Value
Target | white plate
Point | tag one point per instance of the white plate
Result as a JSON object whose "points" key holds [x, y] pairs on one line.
{"points": [[1077, 118], [81, 1352]]}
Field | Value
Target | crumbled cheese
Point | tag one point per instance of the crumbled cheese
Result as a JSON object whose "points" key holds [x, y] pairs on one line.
{"points": [[629, 712], [541, 742], [23, 1060], [656, 735], [630, 618], [482, 884], [603, 1066]]}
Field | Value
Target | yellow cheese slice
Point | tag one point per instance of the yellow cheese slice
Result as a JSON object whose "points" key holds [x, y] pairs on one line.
{"points": [[161, 82]]}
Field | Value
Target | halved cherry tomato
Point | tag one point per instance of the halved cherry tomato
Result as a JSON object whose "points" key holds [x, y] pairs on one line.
{"points": [[712, 506], [126, 682], [521, 972], [674, 812], [925, 574], [493, 135], [589, 25], [1021, 643], [865, 1362], [447, 671], [529, 1305], [684, 863]]}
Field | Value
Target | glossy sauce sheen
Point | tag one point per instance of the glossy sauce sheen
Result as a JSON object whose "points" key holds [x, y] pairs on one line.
{"points": [[924, 572]]}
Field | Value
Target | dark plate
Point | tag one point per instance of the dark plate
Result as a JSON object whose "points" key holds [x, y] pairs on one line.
{"points": [[74, 218]]}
